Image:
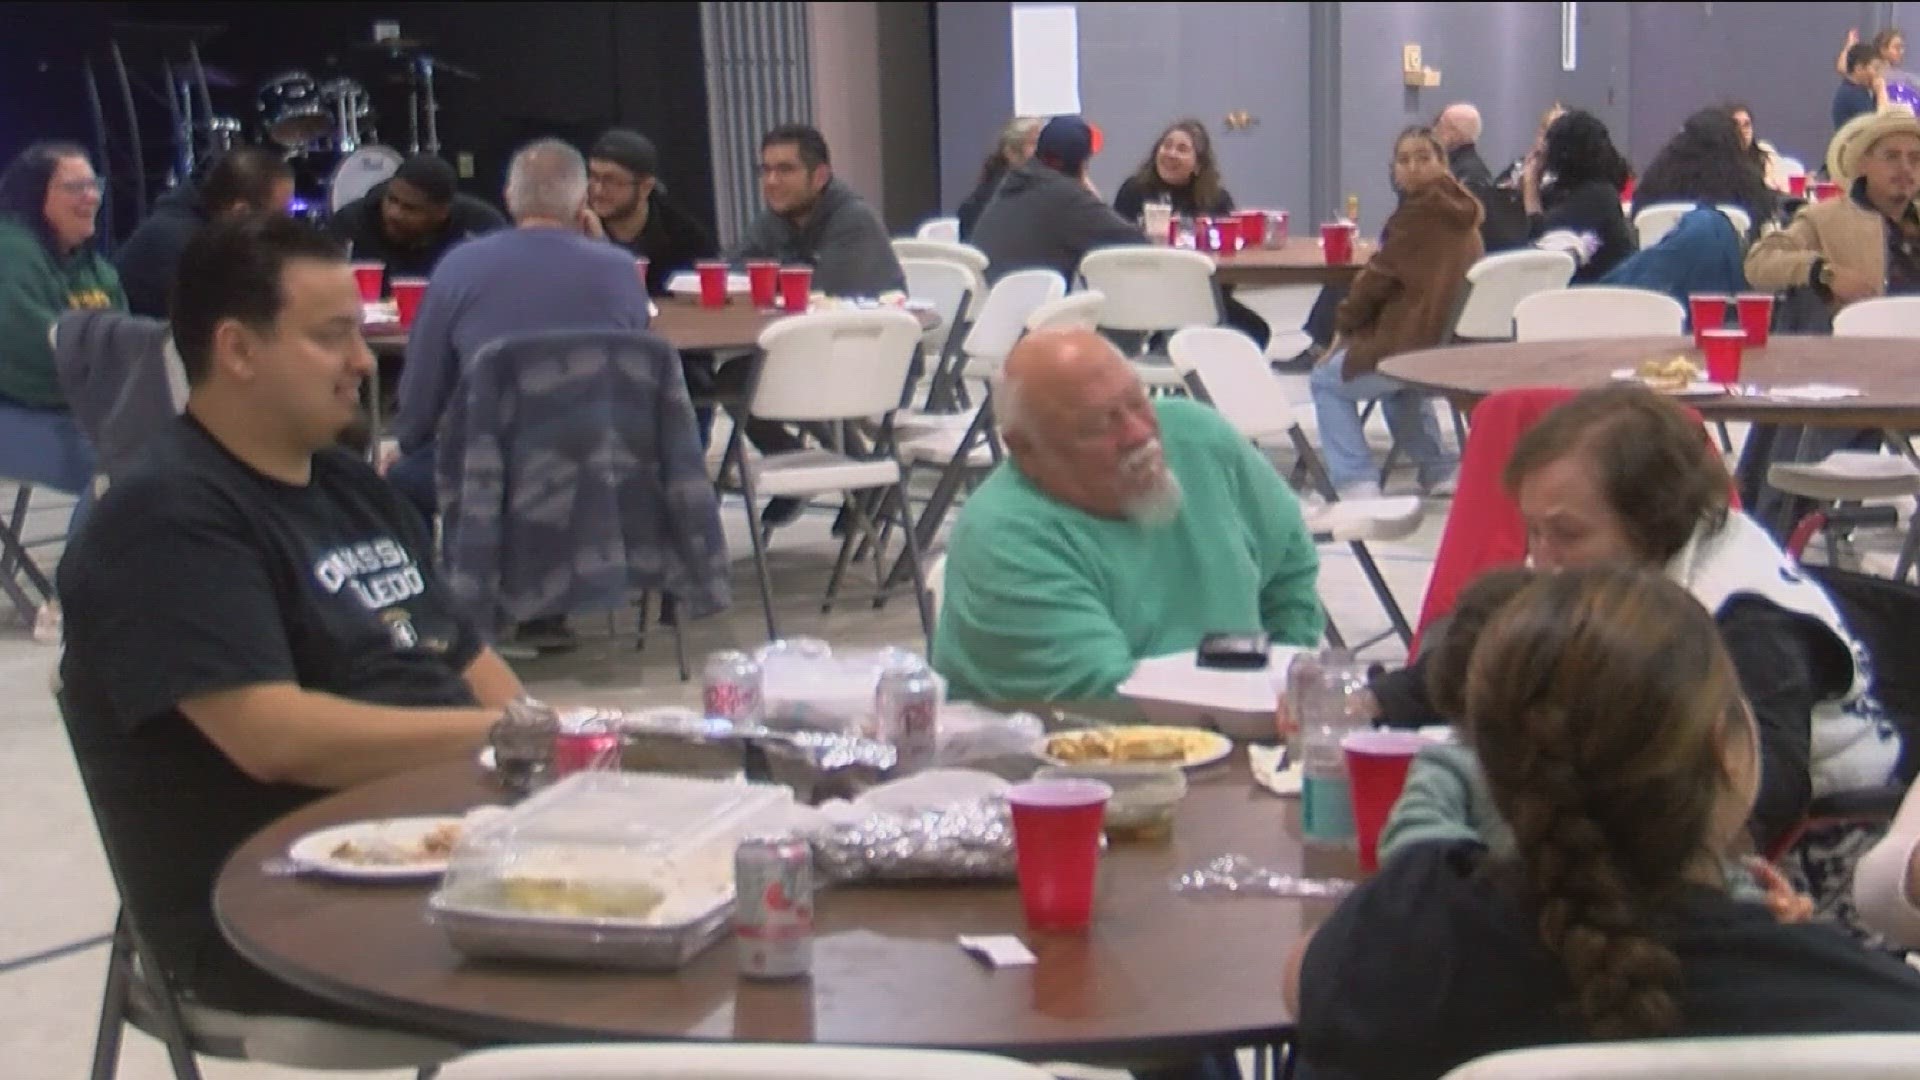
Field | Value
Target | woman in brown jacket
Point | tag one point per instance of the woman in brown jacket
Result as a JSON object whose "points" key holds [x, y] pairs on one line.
{"points": [[1404, 299]]}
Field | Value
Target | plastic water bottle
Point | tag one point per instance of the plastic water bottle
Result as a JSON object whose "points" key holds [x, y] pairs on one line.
{"points": [[1322, 692]]}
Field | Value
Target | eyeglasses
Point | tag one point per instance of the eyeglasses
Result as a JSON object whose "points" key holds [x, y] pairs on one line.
{"points": [[607, 180], [94, 186]]}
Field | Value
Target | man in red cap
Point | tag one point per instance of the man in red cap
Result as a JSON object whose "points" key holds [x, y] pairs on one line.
{"points": [[1047, 214]]}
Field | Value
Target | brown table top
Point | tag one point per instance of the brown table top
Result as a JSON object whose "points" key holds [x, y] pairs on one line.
{"points": [[683, 322], [1158, 974], [1885, 370], [1298, 262]]}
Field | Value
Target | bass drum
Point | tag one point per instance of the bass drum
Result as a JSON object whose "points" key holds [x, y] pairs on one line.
{"points": [[359, 172]]}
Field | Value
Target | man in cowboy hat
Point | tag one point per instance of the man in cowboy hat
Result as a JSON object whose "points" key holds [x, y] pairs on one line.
{"points": [[1866, 243]]}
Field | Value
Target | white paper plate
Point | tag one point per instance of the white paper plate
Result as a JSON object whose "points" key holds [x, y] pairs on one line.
{"points": [[1217, 747], [315, 851]]}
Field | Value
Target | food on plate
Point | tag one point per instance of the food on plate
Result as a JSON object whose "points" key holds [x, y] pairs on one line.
{"points": [[1129, 745], [1673, 373], [432, 846], [580, 899]]}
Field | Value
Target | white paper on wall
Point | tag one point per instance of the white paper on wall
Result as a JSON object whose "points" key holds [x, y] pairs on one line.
{"points": [[1046, 60]]}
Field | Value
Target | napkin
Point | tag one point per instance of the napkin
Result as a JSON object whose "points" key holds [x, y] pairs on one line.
{"points": [[1811, 392], [1265, 763], [999, 950]]}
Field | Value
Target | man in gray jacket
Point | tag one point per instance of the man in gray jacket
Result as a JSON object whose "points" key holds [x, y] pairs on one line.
{"points": [[814, 219], [1046, 215]]}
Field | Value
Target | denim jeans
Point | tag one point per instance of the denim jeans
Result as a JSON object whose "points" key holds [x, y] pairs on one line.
{"points": [[1343, 438], [45, 448]]}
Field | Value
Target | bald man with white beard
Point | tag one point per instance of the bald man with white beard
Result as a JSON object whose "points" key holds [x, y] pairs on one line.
{"points": [[1119, 528]]}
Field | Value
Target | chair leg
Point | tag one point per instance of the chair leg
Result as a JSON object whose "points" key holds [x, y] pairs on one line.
{"points": [[756, 534], [14, 524], [1335, 639], [850, 546], [667, 602], [1726, 437], [1371, 569], [913, 559], [113, 1003]]}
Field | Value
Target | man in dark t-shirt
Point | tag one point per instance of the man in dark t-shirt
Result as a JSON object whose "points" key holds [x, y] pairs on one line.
{"points": [[410, 221], [252, 618], [1864, 87]]}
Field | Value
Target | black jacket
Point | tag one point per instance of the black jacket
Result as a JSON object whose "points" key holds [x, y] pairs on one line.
{"points": [[1589, 207], [970, 207], [671, 241], [843, 240], [1045, 219], [147, 260], [1505, 226], [358, 223]]}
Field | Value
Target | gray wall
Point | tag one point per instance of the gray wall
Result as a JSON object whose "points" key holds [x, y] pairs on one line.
{"points": [[1642, 68]]}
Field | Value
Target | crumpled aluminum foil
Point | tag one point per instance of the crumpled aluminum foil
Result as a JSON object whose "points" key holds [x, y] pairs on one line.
{"points": [[1237, 875], [817, 765], [968, 842]]}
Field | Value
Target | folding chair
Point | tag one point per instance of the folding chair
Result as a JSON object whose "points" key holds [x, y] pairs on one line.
{"points": [[1767, 1057], [1153, 291], [1656, 221], [830, 368], [1597, 311], [140, 991], [948, 286], [945, 229], [1224, 367], [1080, 309], [738, 1061], [947, 391]]}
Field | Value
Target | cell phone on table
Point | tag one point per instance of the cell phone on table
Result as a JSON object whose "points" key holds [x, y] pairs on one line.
{"points": [[1234, 652]]}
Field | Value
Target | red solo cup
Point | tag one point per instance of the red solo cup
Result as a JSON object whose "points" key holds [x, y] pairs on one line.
{"points": [[1706, 311], [1229, 240], [1377, 763], [1756, 316], [1203, 234], [575, 751], [1723, 348], [1278, 233], [1336, 238], [1253, 228], [763, 282], [367, 275], [1797, 186], [796, 289], [1824, 190], [1056, 849], [1173, 230], [713, 283], [407, 292], [640, 267]]}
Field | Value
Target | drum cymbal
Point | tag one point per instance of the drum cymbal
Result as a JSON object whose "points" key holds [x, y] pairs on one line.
{"points": [[393, 45]]}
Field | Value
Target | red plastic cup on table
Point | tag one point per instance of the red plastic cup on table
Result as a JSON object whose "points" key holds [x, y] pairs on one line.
{"points": [[640, 267], [1756, 317], [1797, 186], [1824, 190], [1706, 311], [1056, 849], [1173, 230], [713, 283], [1229, 241], [1203, 234], [579, 751], [407, 292], [796, 289], [1336, 240], [763, 282], [1723, 349], [367, 276], [1253, 228], [1377, 763]]}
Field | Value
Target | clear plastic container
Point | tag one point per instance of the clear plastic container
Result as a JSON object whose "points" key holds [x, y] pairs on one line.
{"points": [[611, 869]]}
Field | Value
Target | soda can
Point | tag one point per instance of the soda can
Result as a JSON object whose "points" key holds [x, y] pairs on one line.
{"points": [[731, 687], [907, 710], [773, 907]]}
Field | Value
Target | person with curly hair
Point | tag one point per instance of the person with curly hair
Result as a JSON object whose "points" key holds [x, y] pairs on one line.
{"points": [[1707, 162], [1610, 723], [1584, 196], [1183, 172]]}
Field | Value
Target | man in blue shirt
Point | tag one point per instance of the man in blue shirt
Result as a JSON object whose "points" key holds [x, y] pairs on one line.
{"points": [[544, 274], [1862, 90]]}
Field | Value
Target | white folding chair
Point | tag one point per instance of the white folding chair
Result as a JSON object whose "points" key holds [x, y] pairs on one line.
{"points": [[1658, 220], [1149, 291], [732, 1061], [1860, 475], [1792, 166], [1225, 368], [1766, 1057], [940, 228], [966, 255], [1497, 283], [948, 286], [833, 368], [1080, 309], [1597, 311]]}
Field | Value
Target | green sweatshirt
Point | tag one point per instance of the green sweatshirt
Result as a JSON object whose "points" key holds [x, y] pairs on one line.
{"points": [[1447, 798], [1044, 602], [35, 288]]}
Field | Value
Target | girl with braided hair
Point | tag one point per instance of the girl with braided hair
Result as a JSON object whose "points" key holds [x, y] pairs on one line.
{"points": [[1610, 724]]}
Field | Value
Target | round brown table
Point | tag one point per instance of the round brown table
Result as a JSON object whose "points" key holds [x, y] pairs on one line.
{"points": [[1886, 371], [684, 323], [1157, 976], [1297, 262]]}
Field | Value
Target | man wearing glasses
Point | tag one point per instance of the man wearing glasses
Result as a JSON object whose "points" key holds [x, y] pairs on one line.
{"points": [[815, 220], [624, 190]]}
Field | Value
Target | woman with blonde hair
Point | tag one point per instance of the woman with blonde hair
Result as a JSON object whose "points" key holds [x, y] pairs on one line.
{"points": [[1014, 146], [1617, 744]]}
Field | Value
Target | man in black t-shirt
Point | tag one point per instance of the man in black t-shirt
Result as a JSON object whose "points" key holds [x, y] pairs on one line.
{"points": [[252, 616], [413, 219]]}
